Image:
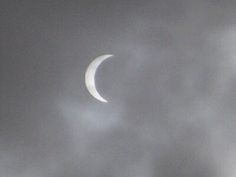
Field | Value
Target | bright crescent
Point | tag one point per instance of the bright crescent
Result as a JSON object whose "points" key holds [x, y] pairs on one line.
{"points": [[90, 77]]}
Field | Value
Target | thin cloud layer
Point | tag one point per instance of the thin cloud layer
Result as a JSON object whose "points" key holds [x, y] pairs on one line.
{"points": [[170, 86]]}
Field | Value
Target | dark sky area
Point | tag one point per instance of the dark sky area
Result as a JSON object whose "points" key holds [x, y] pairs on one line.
{"points": [[171, 87]]}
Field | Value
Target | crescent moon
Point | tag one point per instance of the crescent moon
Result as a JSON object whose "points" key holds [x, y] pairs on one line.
{"points": [[90, 77]]}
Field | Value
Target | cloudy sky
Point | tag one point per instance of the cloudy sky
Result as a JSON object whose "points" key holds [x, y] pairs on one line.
{"points": [[171, 87]]}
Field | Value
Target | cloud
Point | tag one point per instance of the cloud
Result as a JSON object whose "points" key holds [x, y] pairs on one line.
{"points": [[170, 87]]}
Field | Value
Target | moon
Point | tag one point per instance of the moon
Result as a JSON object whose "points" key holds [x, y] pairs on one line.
{"points": [[90, 76]]}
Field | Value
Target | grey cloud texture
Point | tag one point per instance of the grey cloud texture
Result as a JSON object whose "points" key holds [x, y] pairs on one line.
{"points": [[170, 86]]}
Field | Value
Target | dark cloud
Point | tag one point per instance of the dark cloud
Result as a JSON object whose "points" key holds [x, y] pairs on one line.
{"points": [[170, 87]]}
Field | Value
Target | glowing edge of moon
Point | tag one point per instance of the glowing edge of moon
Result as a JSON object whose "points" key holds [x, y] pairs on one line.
{"points": [[90, 77]]}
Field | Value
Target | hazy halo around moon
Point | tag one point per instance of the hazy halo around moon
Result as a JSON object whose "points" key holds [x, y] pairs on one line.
{"points": [[90, 77]]}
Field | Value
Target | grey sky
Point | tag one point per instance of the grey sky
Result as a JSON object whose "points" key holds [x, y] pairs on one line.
{"points": [[171, 87]]}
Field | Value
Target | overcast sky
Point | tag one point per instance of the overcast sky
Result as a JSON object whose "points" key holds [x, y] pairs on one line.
{"points": [[171, 87]]}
